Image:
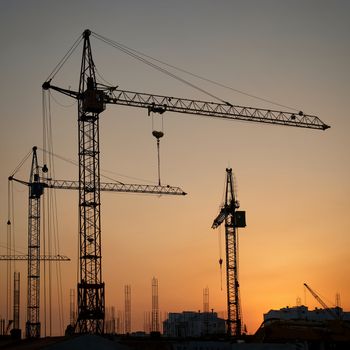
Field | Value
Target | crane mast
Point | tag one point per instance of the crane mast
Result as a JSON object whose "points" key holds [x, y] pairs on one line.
{"points": [[233, 219], [33, 295], [36, 190], [91, 288], [92, 99]]}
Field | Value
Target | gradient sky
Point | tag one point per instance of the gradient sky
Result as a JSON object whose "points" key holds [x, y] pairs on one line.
{"points": [[293, 183]]}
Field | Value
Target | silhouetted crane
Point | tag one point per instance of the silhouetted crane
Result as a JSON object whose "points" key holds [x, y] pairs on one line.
{"points": [[37, 184], [334, 315], [233, 220], [92, 99]]}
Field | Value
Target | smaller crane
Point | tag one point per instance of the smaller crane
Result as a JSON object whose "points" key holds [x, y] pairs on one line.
{"points": [[335, 315], [37, 184], [233, 219]]}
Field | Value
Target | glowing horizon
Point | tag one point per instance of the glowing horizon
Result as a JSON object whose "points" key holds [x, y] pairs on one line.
{"points": [[292, 183]]}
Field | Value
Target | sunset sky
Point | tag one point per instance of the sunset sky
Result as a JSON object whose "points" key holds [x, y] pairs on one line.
{"points": [[293, 183]]}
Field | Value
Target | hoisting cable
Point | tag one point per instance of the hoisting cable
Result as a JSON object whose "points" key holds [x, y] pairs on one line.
{"points": [[137, 53], [12, 218], [44, 233], [21, 163], [153, 65], [104, 170], [52, 221], [9, 253], [14, 251], [158, 135], [45, 108], [10, 247], [220, 256], [61, 104], [64, 59]]}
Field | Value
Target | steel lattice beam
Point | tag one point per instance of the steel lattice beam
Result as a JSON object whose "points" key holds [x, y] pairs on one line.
{"points": [[33, 293], [91, 303], [161, 104], [23, 257]]}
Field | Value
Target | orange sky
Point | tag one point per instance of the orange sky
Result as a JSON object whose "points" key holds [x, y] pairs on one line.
{"points": [[293, 183]]}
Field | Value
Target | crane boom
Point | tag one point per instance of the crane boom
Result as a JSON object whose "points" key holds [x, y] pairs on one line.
{"points": [[120, 187], [111, 187], [161, 104], [41, 257]]}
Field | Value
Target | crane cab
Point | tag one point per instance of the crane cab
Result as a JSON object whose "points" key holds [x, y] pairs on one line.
{"points": [[93, 99], [240, 219]]}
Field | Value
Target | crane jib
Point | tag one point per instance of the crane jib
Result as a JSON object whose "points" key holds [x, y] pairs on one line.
{"points": [[160, 104]]}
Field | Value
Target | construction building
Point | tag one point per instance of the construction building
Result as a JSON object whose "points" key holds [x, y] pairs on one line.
{"points": [[193, 324], [315, 329], [303, 313]]}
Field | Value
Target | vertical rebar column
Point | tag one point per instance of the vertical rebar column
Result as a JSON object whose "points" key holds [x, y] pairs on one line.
{"points": [[206, 310], [127, 310], [155, 306], [72, 310], [206, 299], [16, 299], [113, 320]]}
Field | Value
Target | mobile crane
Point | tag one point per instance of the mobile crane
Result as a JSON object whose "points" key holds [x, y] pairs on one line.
{"points": [[92, 100], [335, 315]]}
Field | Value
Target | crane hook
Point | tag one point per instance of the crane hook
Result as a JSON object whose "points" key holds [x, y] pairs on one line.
{"points": [[158, 135], [220, 263]]}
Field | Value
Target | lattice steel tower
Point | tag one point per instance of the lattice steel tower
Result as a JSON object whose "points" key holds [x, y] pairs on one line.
{"points": [[36, 189], [233, 219]]}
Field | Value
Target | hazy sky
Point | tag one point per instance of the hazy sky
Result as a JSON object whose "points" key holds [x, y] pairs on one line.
{"points": [[293, 183]]}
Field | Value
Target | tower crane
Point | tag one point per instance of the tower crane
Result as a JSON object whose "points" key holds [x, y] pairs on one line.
{"points": [[92, 100], [37, 183], [36, 189], [233, 220]]}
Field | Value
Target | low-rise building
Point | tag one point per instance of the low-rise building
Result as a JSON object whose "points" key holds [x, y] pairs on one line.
{"points": [[193, 324], [303, 313]]}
